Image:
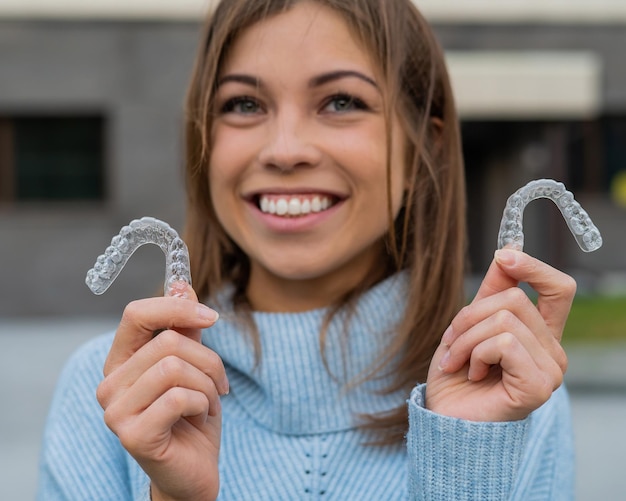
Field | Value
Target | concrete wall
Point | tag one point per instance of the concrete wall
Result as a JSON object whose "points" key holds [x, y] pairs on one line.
{"points": [[606, 41], [135, 74]]}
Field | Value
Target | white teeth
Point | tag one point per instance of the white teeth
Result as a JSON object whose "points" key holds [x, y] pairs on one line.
{"points": [[316, 205], [265, 204], [282, 207], [293, 206]]}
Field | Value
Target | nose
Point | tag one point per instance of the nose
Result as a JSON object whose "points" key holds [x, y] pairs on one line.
{"points": [[290, 142]]}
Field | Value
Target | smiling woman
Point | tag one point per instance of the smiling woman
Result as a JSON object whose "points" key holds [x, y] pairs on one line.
{"points": [[326, 223], [303, 121]]}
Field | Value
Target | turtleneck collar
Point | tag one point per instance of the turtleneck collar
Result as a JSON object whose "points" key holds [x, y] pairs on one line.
{"points": [[292, 391]]}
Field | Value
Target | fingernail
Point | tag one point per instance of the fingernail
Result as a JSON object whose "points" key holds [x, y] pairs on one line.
{"points": [[224, 386], [447, 336], [444, 361], [506, 257], [206, 313], [227, 390]]}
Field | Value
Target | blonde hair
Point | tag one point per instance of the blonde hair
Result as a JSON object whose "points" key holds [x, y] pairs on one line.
{"points": [[427, 238]]}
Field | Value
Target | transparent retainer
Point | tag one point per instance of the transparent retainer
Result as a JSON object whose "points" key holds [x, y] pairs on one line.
{"points": [[511, 232], [139, 232]]}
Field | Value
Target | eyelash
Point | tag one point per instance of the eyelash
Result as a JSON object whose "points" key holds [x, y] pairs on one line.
{"points": [[355, 102], [229, 105]]}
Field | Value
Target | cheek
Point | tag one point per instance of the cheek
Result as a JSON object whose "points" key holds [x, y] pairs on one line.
{"points": [[376, 158], [229, 157]]}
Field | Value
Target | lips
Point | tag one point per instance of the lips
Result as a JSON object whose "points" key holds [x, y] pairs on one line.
{"points": [[295, 205]]}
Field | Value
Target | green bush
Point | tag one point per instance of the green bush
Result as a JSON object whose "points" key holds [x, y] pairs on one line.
{"points": [[596, 319]]}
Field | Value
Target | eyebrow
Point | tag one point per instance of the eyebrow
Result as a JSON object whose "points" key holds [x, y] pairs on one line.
{"points": [[244, 79], [337, 75], [316, 81]]}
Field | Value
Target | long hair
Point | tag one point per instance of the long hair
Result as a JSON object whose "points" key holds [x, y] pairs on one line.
{"points": [[427, 238]]}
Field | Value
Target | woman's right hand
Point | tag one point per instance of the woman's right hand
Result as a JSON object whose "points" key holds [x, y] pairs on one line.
{"points": [[161, 394]]}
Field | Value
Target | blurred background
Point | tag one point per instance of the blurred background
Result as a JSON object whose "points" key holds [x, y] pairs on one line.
{"points": [[91, 100]]}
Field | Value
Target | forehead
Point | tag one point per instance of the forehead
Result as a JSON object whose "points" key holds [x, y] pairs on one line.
{"points": [[307, 36]]}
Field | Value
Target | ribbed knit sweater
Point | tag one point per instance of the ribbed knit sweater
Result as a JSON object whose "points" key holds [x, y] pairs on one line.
{"points": [[289, 424]]}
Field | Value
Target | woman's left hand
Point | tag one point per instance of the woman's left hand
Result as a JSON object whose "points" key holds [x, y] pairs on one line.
{"points": [[501, 358]]}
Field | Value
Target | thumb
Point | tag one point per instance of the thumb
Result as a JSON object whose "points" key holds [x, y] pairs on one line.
{"points": [[496, 280]]}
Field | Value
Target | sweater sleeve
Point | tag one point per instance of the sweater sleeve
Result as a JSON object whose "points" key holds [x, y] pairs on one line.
{"points": [[80, 457], [450, 458]]}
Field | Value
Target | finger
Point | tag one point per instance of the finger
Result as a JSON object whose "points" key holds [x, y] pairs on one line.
{"points": [[179, 403], [512, 299], [176, 403], [543, 348], [167, 344], [180, 289], [528, 384], [495, 280], [141, 318], [556, 289], [500, 322], [505, 311], [504, 350], [170, 372], [150, 433]]}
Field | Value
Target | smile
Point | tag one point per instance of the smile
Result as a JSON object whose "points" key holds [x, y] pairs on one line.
{"points": [[294, 205]]}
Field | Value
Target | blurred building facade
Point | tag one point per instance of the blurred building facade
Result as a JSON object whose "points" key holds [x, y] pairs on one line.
{"points": [[91, 109]]}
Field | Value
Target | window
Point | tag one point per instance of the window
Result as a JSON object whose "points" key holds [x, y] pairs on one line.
{"points": [[585, 155], [597, 152], [51, 159]]}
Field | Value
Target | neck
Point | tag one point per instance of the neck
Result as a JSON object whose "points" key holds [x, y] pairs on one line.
{"points": [[298, 387]]}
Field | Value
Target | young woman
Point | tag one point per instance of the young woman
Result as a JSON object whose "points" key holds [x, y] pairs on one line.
{"points": [[326, 225]]}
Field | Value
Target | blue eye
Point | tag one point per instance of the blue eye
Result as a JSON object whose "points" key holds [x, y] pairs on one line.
{"points": [[341, 103], [243, 105]]}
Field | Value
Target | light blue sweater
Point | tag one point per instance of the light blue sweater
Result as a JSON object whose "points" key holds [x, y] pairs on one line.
{"points": [[289, 426]]}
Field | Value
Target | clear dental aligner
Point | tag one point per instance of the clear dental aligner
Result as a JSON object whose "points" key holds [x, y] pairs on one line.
{"points": [[578, 221], [146, 230]]}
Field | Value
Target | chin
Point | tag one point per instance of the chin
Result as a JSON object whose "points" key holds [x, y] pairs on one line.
{"points": [[298, 274], [295, 269]]}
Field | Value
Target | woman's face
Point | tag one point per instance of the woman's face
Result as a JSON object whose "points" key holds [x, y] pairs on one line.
{"points": [[298, 164]]}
